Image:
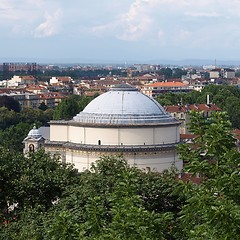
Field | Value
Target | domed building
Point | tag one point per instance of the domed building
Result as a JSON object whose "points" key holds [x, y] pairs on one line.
{"points": [[120, 121], [33, 141]]}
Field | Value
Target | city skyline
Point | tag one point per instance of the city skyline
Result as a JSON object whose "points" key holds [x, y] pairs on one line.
{"points": [[120, 31]]}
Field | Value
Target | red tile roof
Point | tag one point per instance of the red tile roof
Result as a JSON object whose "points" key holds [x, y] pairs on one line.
{"points": [[36, 87], [173, 109], [64, 79], [204, 107], [189, 177], [167, 84], [187, 136], [192, 107]]}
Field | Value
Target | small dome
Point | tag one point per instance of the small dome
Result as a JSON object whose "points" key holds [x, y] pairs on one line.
{"points": [[124, 105], [34, 133]]}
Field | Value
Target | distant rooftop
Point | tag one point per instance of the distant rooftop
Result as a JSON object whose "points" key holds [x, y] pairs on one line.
{"points": [[123, 87]]}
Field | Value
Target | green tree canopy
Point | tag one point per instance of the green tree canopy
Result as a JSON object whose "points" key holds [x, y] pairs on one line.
{"points": [[212, 209], [112, 201], [70, 107], [116, 201], [31, 182], [10, 103]]}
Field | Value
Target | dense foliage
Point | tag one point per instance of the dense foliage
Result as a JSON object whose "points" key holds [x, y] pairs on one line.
{"points": [[14, 126], [71, 106], [172, 72], [115, 201], [32, 182], [212, 210], [10, 103]]}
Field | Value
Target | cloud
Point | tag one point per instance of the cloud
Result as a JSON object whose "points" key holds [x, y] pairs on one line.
{"points": [[20, 17], [157, 25], [202, 14], [129, 26], [135, 22], [50, 26]]}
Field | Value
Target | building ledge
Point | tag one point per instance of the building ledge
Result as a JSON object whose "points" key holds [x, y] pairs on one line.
{"points": [[111, 148]]}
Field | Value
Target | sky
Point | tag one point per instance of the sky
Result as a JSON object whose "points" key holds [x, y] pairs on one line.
{"points": [[119, 30]]}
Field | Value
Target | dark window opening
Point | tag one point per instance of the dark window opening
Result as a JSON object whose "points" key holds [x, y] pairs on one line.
{"points": [[31, 148]]}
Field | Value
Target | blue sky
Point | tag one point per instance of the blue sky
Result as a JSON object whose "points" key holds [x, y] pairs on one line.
{"points": [[120, 30]]}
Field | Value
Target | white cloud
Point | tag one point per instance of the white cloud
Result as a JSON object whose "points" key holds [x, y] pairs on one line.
{"points": [[135, 22], [129, 26], [50, 26], [20, 17]]}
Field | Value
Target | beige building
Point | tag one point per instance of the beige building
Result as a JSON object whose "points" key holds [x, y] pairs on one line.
{"points": [[157, 88], [21, 81], [222, 73], [120, 121]]}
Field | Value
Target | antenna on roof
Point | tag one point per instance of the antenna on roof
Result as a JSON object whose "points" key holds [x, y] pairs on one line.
{"points": [[181, 102]]}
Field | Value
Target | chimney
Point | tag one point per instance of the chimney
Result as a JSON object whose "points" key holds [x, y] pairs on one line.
{"points": [[208, 99]]}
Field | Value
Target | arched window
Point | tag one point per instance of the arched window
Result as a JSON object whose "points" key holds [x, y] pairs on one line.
{"points": [[99, 142], [31, 148]]}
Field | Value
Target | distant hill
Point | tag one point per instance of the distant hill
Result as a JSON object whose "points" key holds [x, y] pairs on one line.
{"points": [[182, 62]]}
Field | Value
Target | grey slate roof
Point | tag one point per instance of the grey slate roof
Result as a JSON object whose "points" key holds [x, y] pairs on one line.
{"points": [[124, 105]]}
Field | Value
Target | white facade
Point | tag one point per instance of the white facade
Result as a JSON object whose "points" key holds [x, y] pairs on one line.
{"points": [[122, 121], [53, 80], [15, 81], [114, 136]]}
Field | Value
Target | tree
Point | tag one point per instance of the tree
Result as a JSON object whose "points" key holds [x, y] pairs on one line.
{"points": [[37, 116], [42, 180], [70, 107], [178, 72], [212, 208], [67, 108], [168, 99], [10, 103], [33, 182], [112, 201], [12, 137], [7, 118], [43, 106], [84, 101], [167, 72]]}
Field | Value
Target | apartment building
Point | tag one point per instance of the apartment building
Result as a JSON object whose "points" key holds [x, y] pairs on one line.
{"points": [[222, 73], [157, 88]]}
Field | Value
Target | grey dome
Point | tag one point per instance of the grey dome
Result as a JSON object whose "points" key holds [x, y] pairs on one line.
{"points": [[34, 133], [124, 105]]}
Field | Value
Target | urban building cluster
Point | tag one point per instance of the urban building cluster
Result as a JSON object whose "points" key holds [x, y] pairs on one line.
{"points": [[31, 91]]}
